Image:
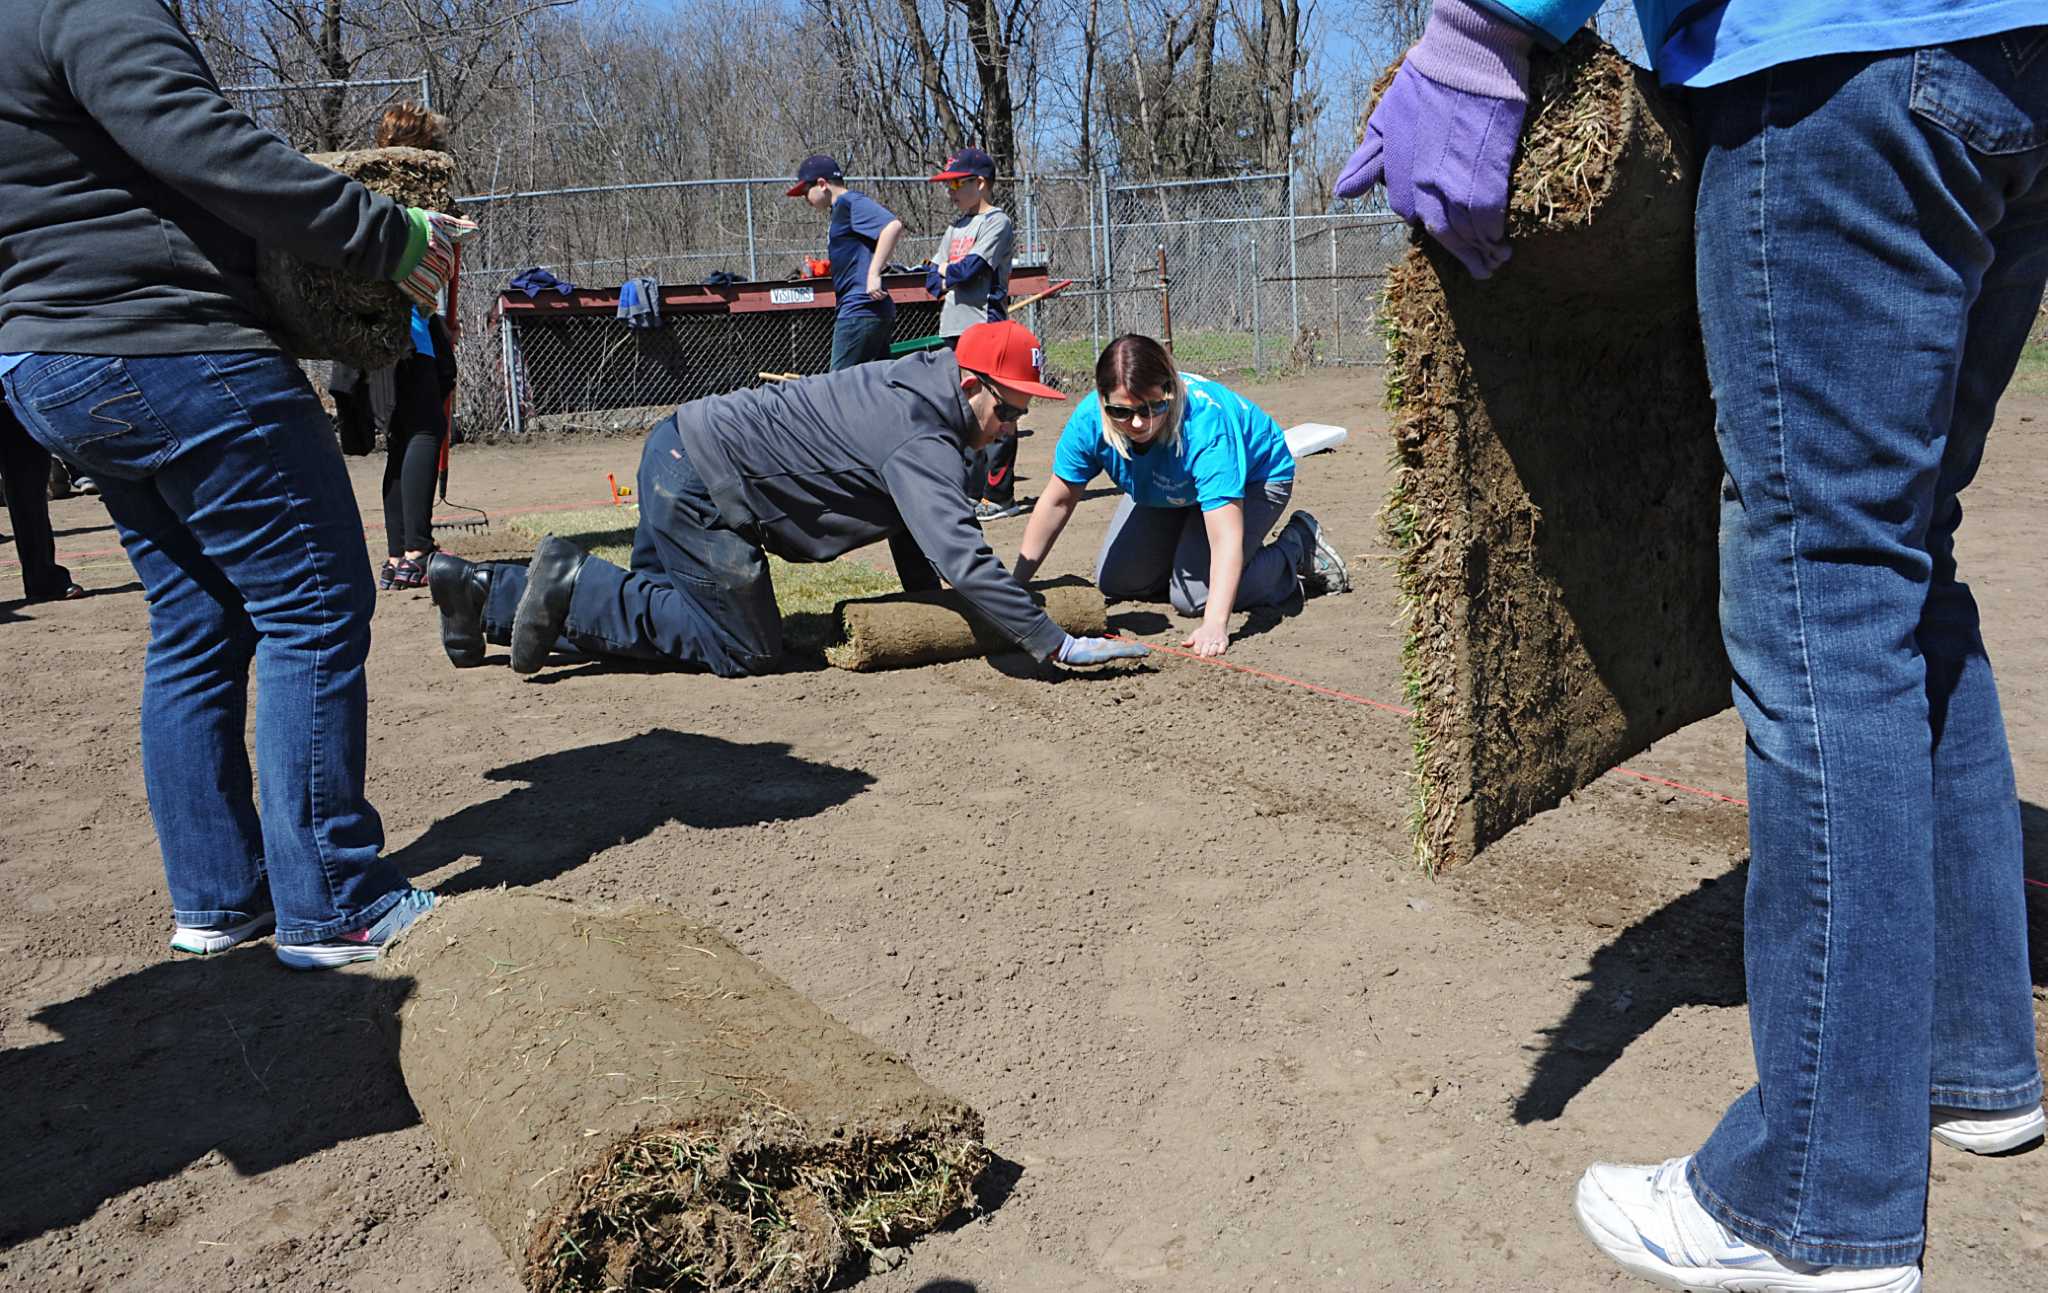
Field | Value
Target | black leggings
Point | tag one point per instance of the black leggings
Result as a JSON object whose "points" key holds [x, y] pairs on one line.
{"points": [[413, 445], [411, 463], [26, 468]]}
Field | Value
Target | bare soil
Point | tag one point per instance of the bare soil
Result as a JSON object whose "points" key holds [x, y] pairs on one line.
{"points": [[1159, 924]]}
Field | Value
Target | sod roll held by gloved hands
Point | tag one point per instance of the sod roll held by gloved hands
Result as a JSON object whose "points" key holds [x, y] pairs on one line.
{"points": [[1557, 489], [321, 313]]}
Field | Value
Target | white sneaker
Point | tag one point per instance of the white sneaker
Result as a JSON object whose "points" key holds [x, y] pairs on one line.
{"points": [[205, 940], [1988, 1132], [1647, 1219]]}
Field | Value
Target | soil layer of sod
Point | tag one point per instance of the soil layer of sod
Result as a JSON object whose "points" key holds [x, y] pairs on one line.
{"points": [[632, 1104], [1555, 502]]}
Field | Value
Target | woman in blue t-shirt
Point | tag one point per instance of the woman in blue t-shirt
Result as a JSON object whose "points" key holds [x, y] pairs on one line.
{"points": [[1205, 473]]}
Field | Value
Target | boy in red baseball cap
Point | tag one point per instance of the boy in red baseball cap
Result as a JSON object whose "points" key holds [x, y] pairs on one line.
{"points": [[807, 470], [971, 274]]}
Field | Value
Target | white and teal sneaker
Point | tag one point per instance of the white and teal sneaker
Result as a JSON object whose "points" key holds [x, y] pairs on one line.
{"points": [[205, 940], [362, 944], [1647, 1219]]}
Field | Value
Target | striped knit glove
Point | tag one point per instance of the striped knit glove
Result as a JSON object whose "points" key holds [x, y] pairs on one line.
{"points": [[429, 260]]}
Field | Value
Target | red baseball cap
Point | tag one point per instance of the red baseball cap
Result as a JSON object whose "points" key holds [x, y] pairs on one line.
{"points": [[1006, 352]]}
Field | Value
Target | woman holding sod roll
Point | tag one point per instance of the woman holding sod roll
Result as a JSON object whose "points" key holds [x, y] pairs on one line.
{"points": [[1205, 473]]}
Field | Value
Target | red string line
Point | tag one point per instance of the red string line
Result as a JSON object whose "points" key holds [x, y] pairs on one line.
{"points": [[1714, 795]]}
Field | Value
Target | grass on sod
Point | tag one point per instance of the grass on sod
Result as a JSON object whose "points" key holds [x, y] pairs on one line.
{"points": [[809, 594]]}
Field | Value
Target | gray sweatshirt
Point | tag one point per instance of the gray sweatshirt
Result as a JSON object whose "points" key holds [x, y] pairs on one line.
{"points": [[132, 195], [815, 468], [992, 237]]}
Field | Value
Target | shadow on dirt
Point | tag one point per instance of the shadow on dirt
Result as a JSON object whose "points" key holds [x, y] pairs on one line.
{"points": [[158, 1069], [1689, 953], [577, 803]]}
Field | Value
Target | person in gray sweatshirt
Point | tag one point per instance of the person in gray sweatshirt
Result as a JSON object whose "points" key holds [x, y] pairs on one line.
{"points": [[807, 470], [134, 343]]}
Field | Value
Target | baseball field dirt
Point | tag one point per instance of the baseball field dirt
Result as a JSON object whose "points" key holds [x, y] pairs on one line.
{"points": [[1159, 924]]}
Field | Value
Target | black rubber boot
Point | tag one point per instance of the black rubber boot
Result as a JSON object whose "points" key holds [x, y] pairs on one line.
{"points": [[544, 606], [460, 590]]}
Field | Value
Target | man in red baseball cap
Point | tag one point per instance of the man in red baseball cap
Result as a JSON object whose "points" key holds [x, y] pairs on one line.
{"points": [[807, 470]]}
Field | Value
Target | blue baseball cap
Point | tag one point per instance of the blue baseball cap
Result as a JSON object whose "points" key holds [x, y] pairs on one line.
{"points": [[966, 163], [818, 166]]}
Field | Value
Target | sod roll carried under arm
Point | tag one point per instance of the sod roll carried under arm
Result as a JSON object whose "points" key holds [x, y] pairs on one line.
{"points": [[632, 1104], [1557, 483], [899, 630], [321, 313]]}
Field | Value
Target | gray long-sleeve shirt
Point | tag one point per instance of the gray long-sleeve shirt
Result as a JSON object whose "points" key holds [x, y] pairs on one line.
{"points": [[133, 195], [819, 467]]}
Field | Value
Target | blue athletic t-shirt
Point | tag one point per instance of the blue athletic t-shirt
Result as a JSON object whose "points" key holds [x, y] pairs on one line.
{"points": [[857, 220], [1708, 42], [1227, 443]]}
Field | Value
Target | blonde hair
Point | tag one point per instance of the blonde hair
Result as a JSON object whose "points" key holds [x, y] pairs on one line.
{"points": [[408, 125], [1138, 363]]}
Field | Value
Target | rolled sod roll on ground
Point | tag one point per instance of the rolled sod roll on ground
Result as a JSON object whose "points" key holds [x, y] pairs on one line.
{"points": [[899, 630], [632, 1104], [1557, 482], [322, 313]]}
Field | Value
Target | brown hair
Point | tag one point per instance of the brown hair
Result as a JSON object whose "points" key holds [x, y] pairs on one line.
{"points": [[408, 125], [1139, 364]]}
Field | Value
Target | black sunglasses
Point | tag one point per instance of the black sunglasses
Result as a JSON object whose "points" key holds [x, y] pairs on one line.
{"points": [[1151, 409], [1005, 411]]}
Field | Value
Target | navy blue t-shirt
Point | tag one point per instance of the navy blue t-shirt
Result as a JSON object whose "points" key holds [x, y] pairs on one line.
{"points": [[857, 220]]}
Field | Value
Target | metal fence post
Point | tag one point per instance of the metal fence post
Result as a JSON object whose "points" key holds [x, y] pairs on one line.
{"points": [[1108, 260], [508, 355], [1258, 324], [753, 268], [1095, 272], [1293, 260]]}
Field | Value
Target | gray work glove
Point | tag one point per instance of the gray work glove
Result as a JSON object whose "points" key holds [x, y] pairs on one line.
{"points": [[1099, 650]]}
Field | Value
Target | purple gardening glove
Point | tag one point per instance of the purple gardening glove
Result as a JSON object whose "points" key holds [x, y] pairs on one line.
{"points": [[1444, 134]]}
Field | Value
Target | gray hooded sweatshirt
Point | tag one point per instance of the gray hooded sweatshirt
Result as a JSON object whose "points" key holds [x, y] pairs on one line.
{"points": [[133, 195], [815, 468]]}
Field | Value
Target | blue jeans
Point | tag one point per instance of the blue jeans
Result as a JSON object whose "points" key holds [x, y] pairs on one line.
{"points": [[698, 594], [223, 476], [1872, 244], [1154, 550], [861, 339]]}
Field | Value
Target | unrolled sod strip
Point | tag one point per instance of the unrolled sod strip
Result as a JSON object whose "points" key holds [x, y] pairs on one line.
{"points": [[1557, 483], [321, 313], [632, 1104], [899, 630]]}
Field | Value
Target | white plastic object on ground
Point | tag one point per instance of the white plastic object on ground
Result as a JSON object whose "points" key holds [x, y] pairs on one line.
{"points": [[1314, 437]]}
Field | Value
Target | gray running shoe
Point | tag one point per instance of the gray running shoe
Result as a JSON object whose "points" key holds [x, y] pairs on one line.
{"points": [[1322, 568]]}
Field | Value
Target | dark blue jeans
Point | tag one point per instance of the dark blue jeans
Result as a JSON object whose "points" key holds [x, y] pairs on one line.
{"points": [[1872, 244], [861, 339], [223, 476], [698, 593]]}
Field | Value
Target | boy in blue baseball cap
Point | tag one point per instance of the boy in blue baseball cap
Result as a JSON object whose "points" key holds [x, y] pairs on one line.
{"points": [[859, 241]]}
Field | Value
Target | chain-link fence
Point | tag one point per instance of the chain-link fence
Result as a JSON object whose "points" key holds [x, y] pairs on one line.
{"points": [[1248, 284], [1245, 279]]}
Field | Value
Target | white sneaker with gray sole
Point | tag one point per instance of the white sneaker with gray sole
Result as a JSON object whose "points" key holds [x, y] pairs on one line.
{"points": [[1982, 1131], [1647, 1219]]}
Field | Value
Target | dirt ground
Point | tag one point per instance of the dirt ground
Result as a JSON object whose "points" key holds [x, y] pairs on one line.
{"points": [[1158, 923]]}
